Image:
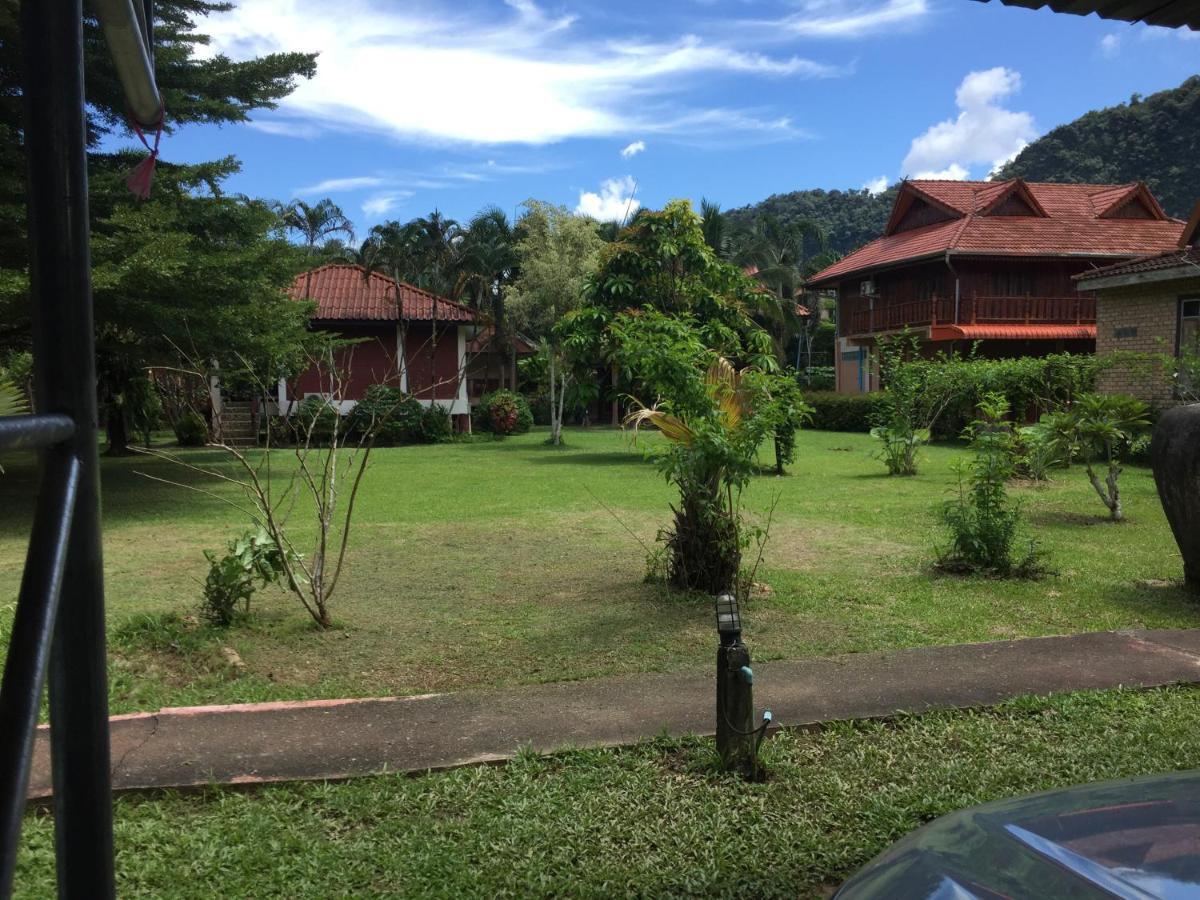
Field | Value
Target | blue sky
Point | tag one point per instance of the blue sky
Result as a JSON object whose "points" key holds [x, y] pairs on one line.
{"points": [[602, 106]]}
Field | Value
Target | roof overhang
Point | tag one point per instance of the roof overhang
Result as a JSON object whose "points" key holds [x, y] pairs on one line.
{"points": [[1169, 13], [1133, 279], [1013, 332]]}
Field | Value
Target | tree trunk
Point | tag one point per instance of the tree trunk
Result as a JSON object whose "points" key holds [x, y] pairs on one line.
{"points": [[1175, 456], [117, 429], [1108, 491], [553, 408], [616, 410]]}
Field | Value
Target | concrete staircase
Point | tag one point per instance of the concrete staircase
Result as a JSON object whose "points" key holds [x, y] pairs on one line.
{"points": [[237, 424]]}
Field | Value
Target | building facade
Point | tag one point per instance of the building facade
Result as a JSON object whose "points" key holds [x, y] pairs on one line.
{"points": [[988, 266], [403, 336], [1148, 319]]}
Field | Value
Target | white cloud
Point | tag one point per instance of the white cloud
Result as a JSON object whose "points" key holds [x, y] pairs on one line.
{"points": [[633, 149], [614, 203], [340, 184], [848, 18], [520, 76], [1110, 45], [953, 172], [379, 205], [876, 185], [983, 132]]}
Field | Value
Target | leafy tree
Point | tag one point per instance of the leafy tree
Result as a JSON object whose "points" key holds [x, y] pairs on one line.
{"points": [[557, 252], [917, 392], [1151, 139], [718, 233], [316, 223], [189, 271]]}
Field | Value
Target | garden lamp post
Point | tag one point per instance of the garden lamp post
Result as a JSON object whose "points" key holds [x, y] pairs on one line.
{"points": [[737, 738]]}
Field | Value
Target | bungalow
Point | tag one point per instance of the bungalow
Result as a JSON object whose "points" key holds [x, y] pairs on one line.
{"points": [[405, 336], [1148, 308], [987, 264]]}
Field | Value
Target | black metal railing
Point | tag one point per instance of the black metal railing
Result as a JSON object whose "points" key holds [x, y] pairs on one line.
{"points": [[58, 628]]}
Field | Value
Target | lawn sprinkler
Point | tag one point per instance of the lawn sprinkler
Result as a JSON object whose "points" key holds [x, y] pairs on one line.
{"points": [[737, 737]]}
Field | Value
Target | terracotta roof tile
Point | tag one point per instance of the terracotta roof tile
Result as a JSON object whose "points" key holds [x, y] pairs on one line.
{"points": [[1189, 256], [341, 292], [1071, 227]]}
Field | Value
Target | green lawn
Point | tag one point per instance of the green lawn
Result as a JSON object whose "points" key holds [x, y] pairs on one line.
{"points": [[651, 820], [498, 563]]}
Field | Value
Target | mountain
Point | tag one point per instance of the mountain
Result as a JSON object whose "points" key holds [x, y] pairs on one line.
{"points": [[1154, 139], [849, 218]]}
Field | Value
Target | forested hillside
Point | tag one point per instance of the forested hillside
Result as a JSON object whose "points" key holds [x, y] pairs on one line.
{"points": [[1154, 139], [849, 218]]}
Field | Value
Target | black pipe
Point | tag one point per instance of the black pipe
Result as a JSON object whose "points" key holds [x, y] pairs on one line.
{"points": [[65, 382], [29, 646], [33, 432]]}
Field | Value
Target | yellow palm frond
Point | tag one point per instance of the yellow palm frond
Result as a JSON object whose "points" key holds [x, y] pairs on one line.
{"points": [[673, 428], [12, 399], [724, 385]]}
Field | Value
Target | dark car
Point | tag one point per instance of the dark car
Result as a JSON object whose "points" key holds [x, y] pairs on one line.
{"points": [[1134, 839]]}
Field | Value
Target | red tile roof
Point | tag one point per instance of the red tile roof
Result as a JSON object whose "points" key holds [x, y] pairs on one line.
{"points": [[1072, 226], [1013, 332], [1188, 257], [480, 342], [346, 293]]}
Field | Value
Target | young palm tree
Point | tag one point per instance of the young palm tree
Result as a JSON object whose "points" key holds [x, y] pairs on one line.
{"points": [[315, 223], [715, 225]]}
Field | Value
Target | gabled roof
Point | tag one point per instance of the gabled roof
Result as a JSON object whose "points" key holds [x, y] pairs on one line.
{"points": [[1065, 222], [1108, 204], [1186, 259], [1191, 231], [348, 293]]}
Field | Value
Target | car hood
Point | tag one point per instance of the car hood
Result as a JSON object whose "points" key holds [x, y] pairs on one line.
{"points": [[1136, 839]]}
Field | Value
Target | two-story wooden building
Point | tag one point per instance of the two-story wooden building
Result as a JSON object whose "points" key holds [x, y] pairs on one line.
{"points": [[991, 264]]}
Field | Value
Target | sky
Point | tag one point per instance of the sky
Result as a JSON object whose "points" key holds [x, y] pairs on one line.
{"points": [[609, 105]]}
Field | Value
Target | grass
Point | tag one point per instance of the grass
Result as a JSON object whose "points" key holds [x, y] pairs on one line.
{"points": [[652, 820], [500, 563]]}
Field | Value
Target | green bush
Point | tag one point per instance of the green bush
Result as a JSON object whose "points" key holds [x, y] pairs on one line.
{"points": [[191, 430], [396, 416], [843, 412], [315, 415], [252, 561], [817, 378], [436, 426], [483, 418]]}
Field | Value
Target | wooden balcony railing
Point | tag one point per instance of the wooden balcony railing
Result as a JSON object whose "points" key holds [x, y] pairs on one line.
{"points": [[890, 315]]}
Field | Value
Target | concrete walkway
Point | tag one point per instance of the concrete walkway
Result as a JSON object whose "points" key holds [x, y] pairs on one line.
{"points": [[335, 739]]}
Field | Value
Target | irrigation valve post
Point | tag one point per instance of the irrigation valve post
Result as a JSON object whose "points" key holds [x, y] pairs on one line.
{"points": [[737, 737]]}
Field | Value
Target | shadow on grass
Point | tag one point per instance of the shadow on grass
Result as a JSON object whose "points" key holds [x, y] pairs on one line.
{"points": [[1066, 517], [556, 456], [1160, 596]]}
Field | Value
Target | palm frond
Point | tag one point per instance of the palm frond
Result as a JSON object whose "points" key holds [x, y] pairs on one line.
{"points": [[12, 399], [672, 428]]}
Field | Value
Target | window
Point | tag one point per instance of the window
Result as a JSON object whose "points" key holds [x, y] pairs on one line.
{"points": [[1189, 325]]}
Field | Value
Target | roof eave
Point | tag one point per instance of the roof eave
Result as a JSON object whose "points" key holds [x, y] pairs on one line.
{"points": [[1133, 279]]}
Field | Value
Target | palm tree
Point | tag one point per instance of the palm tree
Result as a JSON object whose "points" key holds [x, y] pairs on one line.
{"points": [[715, 225], [487, 263], [779, 255], [313, 223], [436, 243]]}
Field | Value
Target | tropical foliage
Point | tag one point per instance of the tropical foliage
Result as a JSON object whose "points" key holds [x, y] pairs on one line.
{"points": [[1099, 428]]}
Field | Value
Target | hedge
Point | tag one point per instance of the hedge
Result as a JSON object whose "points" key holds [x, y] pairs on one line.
{"points": [[843, 412]]}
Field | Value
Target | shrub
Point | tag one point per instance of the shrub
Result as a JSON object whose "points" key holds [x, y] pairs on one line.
{"points": [[843, 412], [252, 561], [513, 408], [436, 425], [981, 520], [817, 378], [191, 430], [315, 415], [396, 416]]}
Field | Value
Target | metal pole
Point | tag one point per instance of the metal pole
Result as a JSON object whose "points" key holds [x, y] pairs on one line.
{"points": [[65, 382]]}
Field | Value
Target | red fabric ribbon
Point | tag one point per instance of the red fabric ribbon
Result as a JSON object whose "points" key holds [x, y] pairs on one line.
{"points": [[142, 177]]}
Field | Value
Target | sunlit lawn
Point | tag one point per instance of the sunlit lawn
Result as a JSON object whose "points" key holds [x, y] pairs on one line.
{"points": [[512, 562]]}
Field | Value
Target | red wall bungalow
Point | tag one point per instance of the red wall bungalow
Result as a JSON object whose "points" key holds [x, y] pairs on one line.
{"points": [[408, 338], [962, 262]]}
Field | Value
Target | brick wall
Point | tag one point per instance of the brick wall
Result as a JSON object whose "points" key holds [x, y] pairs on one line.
{"points": [[1141, 319]]}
